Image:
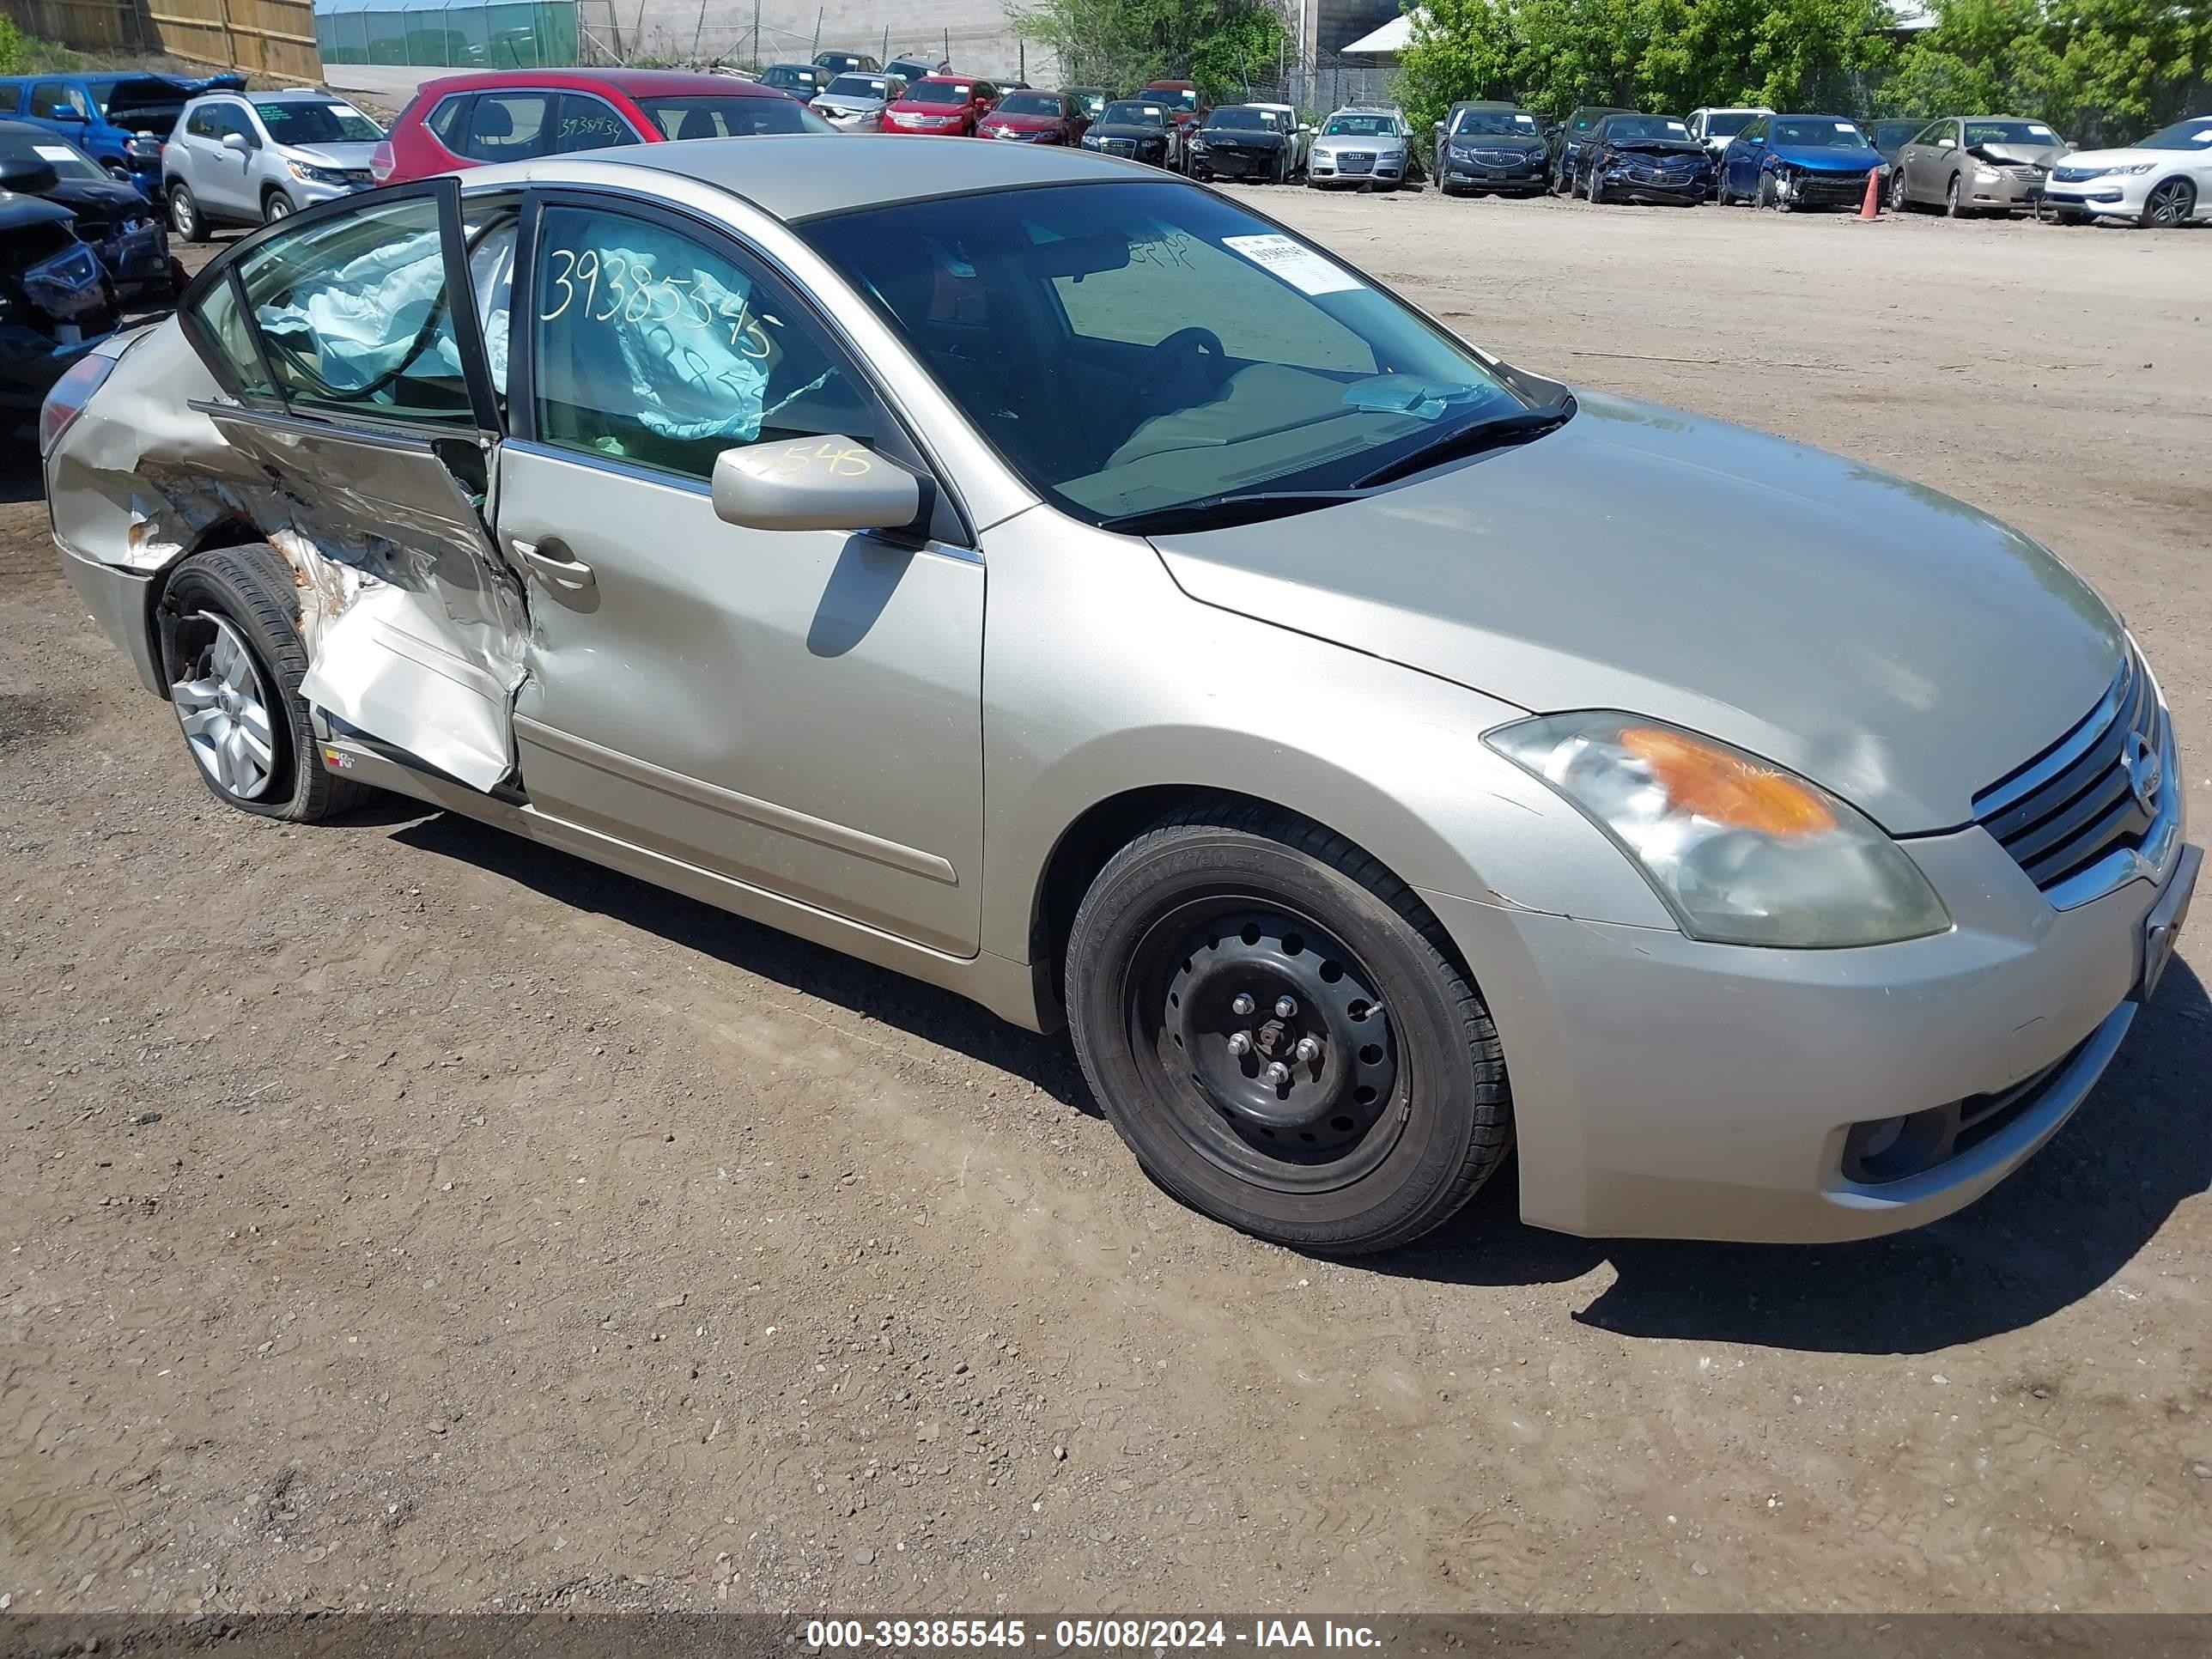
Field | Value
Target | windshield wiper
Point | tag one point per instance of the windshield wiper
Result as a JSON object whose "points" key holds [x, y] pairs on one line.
{"points": [[1219, 512], [1495, 433]]}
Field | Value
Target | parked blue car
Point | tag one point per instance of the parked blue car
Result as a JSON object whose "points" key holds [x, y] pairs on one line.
{"points": [[1793, 162], [121, 121]]}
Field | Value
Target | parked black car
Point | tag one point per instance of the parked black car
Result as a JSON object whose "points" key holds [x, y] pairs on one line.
{"points": [[1243, 141], [114, 218], [1140, 128], [1483, 146], [1893, 136], [1566, 141], [1644, 158], [55, 304]]}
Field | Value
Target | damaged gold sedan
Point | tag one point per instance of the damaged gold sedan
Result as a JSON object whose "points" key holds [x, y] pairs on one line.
{"points": [[1355, 721]]}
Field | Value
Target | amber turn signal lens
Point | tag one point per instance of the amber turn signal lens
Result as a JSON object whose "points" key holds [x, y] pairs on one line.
{"points": [[1727, 788]]}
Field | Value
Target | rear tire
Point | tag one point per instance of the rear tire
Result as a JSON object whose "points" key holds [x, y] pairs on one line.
{"points": [[1378, 1133], [219, 604], [184, 216]]}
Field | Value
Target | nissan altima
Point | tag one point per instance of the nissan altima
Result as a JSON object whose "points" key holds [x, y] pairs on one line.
{"points": [[1059, 583]]}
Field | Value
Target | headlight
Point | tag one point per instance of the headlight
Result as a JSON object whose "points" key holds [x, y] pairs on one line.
{"points": [[2130, 172], [1985, 175], [313, 175], [1742, 852], [1089, 142]]}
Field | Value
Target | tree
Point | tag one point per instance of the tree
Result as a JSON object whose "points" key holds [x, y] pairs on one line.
{"points": [[1121, 44]]}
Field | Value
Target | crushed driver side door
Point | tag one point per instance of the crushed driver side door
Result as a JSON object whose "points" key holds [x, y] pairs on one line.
{"points": [[350, 340]]}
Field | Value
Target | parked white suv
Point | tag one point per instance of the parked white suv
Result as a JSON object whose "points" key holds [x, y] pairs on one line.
{"points": [[1715, 128], [245, 158]]}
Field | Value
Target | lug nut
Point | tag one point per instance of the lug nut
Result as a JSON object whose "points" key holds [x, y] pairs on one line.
{"points": [[1286, 1007], [1279, 1074], [1243, 1003], [1240, 1043], [1308, 1049]]}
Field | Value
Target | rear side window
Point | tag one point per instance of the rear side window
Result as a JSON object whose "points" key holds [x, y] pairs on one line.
{"points": [[200, 124], [445, 122], [353, 315], [589, 123], [507, 126]]}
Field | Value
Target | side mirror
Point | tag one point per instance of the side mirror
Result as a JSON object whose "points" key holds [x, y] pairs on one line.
{"points": [[236, 142], [66, 113], [830, 482], [27, 175]]}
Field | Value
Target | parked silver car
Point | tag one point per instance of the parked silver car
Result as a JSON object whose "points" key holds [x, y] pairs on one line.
{"points": [[247, 158], [856, 100], [1363, 146], [1379, 754]]}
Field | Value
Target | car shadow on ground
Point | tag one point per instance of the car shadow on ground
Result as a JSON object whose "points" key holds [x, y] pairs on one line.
{"points": [[2064, 1226]]}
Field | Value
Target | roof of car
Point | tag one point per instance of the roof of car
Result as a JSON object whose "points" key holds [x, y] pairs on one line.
{"points": [[798, 176], [631, 82]]}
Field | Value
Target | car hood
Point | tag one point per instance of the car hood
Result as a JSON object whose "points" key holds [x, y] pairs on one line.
{"points": [[17, 210], [1251, 137], [1821, 158], [1350, 141], [845, 105], [2122, 158], [1124, 130], [1656, 147], [1527, 143], [1898, 646], [1023, 123], [2031, 156], [347, 157], [117, 199]]}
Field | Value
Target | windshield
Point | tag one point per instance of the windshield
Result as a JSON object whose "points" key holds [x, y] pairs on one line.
{"points": [[1896, 132], [859, 85], [704, 115], [790, 75], [1028, 103], [1495, 123], [2182, 135], [1245, 120], [1634, 128], [1186, 348], [1134, 115], [67, 161], [2032, 134], [1360, 126], [1819, 132], [1185, 98], [290, 122], [1727, 123], [909, 68], [938, 92], [1092, 101]]}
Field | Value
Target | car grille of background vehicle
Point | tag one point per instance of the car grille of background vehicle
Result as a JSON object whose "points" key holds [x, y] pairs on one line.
{"points": [[2077, 802], [1354, 161]]}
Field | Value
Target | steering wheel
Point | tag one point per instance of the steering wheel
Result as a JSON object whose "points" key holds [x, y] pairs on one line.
{"points": [[1186, 351]]}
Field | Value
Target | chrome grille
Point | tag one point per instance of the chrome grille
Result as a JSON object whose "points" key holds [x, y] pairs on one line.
{"points": [[2078, 802], [1354, 161]]}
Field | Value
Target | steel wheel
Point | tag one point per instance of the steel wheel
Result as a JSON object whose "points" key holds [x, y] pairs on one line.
{"points": [[1274, 1053], [223, 704], [2170, 204]]}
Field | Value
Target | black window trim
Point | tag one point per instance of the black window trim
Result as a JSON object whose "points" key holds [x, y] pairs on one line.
{"points": [[468, 334], [950, 523]]}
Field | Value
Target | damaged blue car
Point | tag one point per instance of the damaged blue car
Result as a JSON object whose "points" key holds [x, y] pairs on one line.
{"points": [[1790, 162]]}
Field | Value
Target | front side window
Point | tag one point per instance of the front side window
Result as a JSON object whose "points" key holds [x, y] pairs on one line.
{"points": [[1936, 134], [353, 315], [1131, 346], [52, 99], [651, 346], [294, 121], [712, 115]]}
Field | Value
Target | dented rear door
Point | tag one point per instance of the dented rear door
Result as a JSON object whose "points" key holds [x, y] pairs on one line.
{"points": [[350, 344]]}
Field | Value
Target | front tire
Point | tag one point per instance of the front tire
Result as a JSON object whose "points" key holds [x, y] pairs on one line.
{"points": [[184, 216], [2171, 204], [276, 205], [1358, 1120], [230, 627], [1897, 202], [1955, 205]]}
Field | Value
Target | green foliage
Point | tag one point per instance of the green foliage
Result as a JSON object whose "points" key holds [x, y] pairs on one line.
{"points": [[1121, 44], [1670, 55], [2103, 69]]}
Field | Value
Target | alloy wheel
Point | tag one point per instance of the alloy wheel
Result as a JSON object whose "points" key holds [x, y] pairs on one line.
{"points": [[2170, 204], [223, 704], [277, 207]]}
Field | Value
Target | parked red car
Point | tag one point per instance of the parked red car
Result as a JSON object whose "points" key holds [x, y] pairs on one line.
{"points": [[950, 106], [1185, 108], [1037, 117], [511, 115]]}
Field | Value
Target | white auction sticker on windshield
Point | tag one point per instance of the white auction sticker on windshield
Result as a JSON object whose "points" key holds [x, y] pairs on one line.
{"points": [[54, 152], [1302, 267]]}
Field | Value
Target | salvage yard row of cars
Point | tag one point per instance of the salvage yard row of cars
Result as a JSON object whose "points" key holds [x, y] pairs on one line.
{"points": [[666, 507]]}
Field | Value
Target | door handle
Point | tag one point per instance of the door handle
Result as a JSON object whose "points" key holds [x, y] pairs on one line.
{"points": [[549, 559]]}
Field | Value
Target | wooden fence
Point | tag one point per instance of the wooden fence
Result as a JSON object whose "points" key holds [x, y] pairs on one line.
{"points": [[268, 37]]}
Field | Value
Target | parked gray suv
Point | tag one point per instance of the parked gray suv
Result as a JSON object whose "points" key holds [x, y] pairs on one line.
{"points": [[246, 158]]}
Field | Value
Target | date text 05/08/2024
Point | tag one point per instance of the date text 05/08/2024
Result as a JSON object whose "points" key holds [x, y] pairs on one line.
{"points": [[1088, 1635]]}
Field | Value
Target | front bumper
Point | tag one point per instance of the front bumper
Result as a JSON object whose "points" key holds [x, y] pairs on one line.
{"points": [[1666, 1088], [1335, 168], [2007, 192], [1220, 163], [1464, 173], [1624, 186], [2121, 196], [1826, 190]]}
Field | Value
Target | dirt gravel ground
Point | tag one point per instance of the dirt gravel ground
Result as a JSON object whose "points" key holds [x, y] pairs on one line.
{"points": [[399, 1215]]}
